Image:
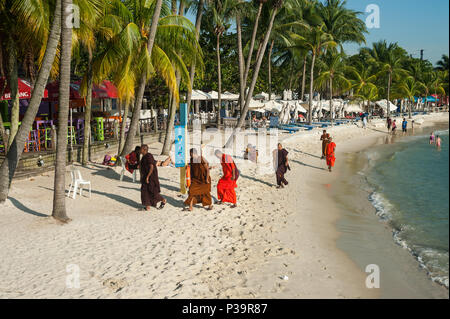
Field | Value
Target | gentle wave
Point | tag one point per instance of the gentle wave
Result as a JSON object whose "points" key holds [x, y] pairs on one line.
{"points": [[427, 257]]}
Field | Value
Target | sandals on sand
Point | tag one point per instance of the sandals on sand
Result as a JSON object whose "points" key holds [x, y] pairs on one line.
{"points": [[162, 205]]}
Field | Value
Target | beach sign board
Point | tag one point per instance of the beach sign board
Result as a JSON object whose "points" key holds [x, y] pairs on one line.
{"points": [[180, 146]]}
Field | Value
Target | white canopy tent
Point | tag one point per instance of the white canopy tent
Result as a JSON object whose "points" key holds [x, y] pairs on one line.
{"points": [[229, 96], [273, 106], [198, 95], [383, 105], [352, 108]]}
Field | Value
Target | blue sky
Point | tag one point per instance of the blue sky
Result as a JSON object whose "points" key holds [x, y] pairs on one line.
{"points": [[414, 24]]}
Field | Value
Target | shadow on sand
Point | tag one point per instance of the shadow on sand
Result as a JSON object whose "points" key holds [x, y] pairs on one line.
{"points": [[25, 209], [170, 200], [256, 180], [307, 165]]}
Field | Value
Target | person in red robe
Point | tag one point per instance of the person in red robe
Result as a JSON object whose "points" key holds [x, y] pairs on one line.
{"points": [[132, 162], [227, 184], [331, 148], [150, 188]]}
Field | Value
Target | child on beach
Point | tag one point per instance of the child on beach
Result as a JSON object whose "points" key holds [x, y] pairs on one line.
{"points": [[394, 126], [438, 142], [404, 125]]}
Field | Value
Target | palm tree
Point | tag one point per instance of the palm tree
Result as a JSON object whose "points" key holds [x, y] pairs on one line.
{"points": [[198, 23], [28, 15], [432, 83], [221, 13], [409, 88], [316, 41], [276, 5], [333, 73], [59, 195], [389, 59], [443, 64]]}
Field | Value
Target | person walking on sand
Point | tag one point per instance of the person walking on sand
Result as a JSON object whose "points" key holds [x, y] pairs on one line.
{"points": [[331, 148], [150, 188], [200, 188], [364, 122], [389, 124], [323, 138], [227, 184], [432, 138], [283, 166]]}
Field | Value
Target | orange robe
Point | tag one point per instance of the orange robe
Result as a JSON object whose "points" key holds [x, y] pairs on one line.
{"points": [[226, 185], [330, 154]]}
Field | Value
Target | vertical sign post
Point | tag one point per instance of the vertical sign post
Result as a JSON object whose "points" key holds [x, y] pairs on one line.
{"points": [[180, 146]]}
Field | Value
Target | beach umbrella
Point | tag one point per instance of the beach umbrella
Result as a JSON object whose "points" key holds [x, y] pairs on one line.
{"points": [[24, 88], [383, 105]]}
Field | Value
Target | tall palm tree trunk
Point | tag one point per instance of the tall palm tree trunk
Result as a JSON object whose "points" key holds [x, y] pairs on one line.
{"points": [[311, 87], [219, 76], [171, 120], [13, 79], [254, 78], [252, 43], [269, 63], [303, 79], [123, 126], [331, 101], [198, 22], [87, 112], [9, 164], [388, 109], [142, 82], [59, 195], [241, 59]]}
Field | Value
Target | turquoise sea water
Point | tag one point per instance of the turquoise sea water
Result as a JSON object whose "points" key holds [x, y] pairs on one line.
{"points": [[410, 181]]}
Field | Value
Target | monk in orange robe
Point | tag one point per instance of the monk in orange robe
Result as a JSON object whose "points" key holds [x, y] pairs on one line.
{"points": [[227, 184], [200, 189], [331, 148]]}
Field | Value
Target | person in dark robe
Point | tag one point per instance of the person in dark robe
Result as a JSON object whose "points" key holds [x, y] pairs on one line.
{"points": [[132, 160], [227, 184], [200, 188], [283, 166], [150, 189], [323, 138]]}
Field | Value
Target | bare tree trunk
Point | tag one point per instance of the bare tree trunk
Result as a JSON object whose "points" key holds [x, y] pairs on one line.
{"points": [[255, 77], [9, 165], [331, 100], [269, 62], [388, 109], [142, 82], [13, 79], [170, 125], [198, 22], [241, 59], [303, 79], [311, 87], [219, 76], [87, 112], [59, 195], [123, 126], [252, 43]]}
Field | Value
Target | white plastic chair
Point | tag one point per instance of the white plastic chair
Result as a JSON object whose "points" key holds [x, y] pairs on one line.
{"points": [[123, 161], [77, 181]]}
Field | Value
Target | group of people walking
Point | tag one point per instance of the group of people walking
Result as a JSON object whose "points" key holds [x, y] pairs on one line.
{"points": [[328, 149]]}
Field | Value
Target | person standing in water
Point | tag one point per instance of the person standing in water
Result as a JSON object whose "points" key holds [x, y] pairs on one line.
{"points": [[432, 138], [389, 124], [394, 126], [404, 125], [438, 142]]}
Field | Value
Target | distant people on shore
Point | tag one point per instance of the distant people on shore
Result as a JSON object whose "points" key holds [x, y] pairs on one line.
{"points": [[283, 166], [389, 124], [432, 138], [150, 188], [227, 184], [394, 126], [364, 120], [200, 188], [438, 142], [404, 125], [324, 139], [331, 147], [251, 153]]}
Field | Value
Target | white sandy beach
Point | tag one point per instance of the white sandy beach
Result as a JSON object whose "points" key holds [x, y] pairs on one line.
{"points": [[276, 244]]}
